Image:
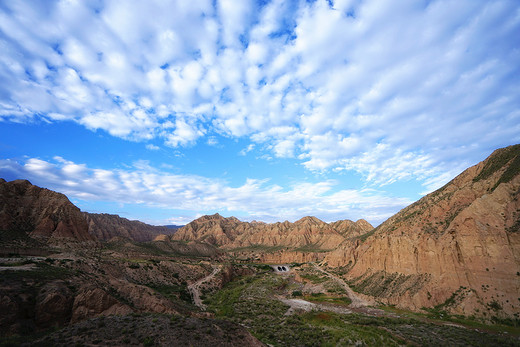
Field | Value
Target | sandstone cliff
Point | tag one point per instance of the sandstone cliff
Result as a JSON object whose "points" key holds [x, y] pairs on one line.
{"points": [[107, 226], [28, 210], [456, 249], [349, 228], [309, 233]]}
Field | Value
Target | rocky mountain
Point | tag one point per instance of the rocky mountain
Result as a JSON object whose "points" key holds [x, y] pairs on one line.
{"points": [[28, 210], [309, 233], [456, 249], [350, 229], [107, 226]]}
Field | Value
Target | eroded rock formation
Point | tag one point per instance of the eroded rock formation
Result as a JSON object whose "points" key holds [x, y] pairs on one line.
{"points": [[107, 226], [309, 233], [458, 247], [26, 209]]}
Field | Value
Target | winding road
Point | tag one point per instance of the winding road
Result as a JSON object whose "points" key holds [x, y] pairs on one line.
{"points": [[194, 288], [356, 300]]}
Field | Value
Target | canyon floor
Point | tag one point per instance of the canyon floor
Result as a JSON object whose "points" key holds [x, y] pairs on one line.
{"points": [[129, 293]]}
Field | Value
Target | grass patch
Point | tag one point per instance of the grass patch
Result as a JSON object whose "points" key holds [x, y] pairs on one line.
{"points": [[251, 301], [314, 278], [508, 326], [498, 161], [42, 272], [311, 248], [178, 295], [365, 236], [257, 248]]}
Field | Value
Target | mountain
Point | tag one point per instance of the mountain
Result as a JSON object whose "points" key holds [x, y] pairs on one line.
{"points": [[107, 226], [456, 249], [30, 211], [308, 232], [349, 228]]}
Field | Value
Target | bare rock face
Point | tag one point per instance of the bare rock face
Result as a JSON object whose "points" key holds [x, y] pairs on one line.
{"points": [[41, 213], [53, 305], [93, 301], [308, 232], [350, 229], [458, 247], [215, 230], [107, 226]]}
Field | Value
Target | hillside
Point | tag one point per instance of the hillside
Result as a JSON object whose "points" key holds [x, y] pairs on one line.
{"points": [[456, 249], [29, 213], [107, 226]]}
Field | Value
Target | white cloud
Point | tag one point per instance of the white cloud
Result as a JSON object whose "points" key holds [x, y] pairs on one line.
{"points": [[257, 199], [352, 83], [152, 147], [183, 134], [246, 150]]}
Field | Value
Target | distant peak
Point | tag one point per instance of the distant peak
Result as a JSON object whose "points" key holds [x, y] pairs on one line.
{"points": [[309, 219], [362, 221], [207, 217]]}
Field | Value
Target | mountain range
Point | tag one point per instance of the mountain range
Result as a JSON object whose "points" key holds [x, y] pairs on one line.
{"points": [[456, 249]]}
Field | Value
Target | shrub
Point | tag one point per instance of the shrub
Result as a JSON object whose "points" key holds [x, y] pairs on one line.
{"points": [[297, 293]]}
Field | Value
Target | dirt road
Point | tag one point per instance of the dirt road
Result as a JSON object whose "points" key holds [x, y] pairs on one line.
{"points": [[194, 288], [356, 300], [304, 305]]}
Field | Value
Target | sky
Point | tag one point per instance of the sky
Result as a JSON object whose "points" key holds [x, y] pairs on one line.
{"points": [[164, 111]]}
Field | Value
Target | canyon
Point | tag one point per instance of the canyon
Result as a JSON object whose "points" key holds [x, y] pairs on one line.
{"points": [[455, 252]]}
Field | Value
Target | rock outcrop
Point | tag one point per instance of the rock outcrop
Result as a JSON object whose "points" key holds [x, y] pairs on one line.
{"points": [[28, 210], [456, 249], [107, 226], [350, 229]]}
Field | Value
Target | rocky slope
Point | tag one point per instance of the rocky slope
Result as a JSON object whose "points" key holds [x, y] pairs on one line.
{"points": [[350, 229], [309, 233], [28, 210], [151, 330], [456, 249], [80, 283], [106, 226]]}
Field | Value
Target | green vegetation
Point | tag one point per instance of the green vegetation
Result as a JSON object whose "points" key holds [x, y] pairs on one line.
{"points": [[365, 236], [41, 272], [515, 227], [251, 301], [510, 326], [297, 293], [178, 295], [498, 161], [258, 248], [312, 248], [314, 278], [441, 311], [384, 284], [19, 340]]}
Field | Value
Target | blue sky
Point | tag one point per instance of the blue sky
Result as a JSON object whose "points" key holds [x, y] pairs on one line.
{"points": [[163, 111]]}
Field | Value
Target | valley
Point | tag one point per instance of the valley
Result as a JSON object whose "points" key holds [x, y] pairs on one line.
{"points": [[444, 270]]}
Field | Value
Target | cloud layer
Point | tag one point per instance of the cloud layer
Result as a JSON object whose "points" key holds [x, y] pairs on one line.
{"points": [[392, 90], [261, 200]]}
